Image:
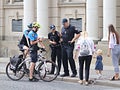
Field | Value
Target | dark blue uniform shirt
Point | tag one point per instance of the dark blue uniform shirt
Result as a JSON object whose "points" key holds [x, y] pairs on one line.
{"points": [[54, 36], [68, 33]]}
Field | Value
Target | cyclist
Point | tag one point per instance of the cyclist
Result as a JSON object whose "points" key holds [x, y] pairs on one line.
{"points": [[24, 43], [34, 40]]}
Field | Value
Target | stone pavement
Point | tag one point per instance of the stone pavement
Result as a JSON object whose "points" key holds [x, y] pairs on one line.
{"points": [[104, 81]]}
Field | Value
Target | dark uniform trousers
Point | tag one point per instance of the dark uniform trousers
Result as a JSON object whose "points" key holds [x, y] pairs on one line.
{"points": [[56, 52], [67, 54]]}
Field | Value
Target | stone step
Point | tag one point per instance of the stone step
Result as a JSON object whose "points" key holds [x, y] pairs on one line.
{"points": [[103, 43]]}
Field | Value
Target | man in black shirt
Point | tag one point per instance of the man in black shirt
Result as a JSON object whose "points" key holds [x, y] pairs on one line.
{"points": [[68, 40], [54, 39]]}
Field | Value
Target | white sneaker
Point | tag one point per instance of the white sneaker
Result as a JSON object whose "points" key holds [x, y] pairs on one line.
{"points": [[99, 76]]}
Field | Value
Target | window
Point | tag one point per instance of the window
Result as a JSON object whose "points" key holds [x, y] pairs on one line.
{"points": [[77, 23], [17, 25], [18, 0]]}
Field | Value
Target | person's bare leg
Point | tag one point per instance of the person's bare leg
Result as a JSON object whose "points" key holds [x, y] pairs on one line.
{"points": [[97, 72], [25, 51], [32, 65], [100, 72]]}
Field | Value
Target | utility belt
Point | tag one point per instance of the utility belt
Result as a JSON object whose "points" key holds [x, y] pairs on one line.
{"points": [[55, 46], [67, 44]]}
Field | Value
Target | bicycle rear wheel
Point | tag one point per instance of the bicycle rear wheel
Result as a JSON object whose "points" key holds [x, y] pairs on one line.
{"points": [[14, 75], [45, 69]]}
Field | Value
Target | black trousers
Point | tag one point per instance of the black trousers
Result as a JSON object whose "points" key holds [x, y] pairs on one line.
{"points": [[56, 52], [87, 60], [67, 54]]}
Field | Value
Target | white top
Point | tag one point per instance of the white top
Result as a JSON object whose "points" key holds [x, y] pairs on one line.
{"points": [[90, 43], [113, 40]]}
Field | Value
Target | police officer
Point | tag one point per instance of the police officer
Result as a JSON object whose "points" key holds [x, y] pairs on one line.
{"points": [[34, 40], [24, 43], [68, 40], [54, 39]]}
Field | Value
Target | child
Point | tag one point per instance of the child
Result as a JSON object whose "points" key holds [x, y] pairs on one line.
{"points": [[99, 64]]}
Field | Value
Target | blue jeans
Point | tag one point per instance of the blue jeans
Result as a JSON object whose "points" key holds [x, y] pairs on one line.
{"points": [[115, 57]]}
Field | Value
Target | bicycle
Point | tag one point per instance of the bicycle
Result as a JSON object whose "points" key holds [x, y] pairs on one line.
{"points": [[43, 68]]}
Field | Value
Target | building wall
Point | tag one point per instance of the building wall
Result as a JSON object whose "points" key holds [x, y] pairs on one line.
{"points": [[11, 11], [9, 35], [54, 14], [58, 9], [118, 15], [74, 10]]}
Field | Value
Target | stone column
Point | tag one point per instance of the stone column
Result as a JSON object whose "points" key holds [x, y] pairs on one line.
{"points": [[11, 1], [109, 16], [42, 17], [92, 18], [29, 12], [1, 20]]}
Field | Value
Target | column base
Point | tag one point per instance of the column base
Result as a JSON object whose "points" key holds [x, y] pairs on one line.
{"points": [[104, 39], [94, 38]]}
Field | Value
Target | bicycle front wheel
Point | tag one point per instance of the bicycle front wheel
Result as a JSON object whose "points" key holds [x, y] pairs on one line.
{"points": [[45, 69], [14, 75]]}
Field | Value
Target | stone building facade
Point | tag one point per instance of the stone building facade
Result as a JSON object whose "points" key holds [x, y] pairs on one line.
{"points": [[91, 15]]}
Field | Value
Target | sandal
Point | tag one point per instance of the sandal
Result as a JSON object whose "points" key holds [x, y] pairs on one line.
{"points": [[86, 83], [80, 81], [114, 79]]}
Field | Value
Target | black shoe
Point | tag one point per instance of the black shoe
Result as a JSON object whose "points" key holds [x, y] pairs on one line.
{"points": [[33, 79], [73, 75], [51, 73], [35, 71], [64, 75], [57, 74]]}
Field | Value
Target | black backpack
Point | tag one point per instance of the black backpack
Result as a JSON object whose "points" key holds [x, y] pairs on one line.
{"points": [[15, 61]]}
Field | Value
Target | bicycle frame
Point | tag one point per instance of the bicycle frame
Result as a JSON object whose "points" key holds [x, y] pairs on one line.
{"points": [[43, 68], [41, 59]]}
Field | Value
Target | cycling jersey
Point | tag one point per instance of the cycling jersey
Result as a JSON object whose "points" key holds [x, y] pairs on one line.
{"points": [[23, 40], [33, 54], [32, 36]]}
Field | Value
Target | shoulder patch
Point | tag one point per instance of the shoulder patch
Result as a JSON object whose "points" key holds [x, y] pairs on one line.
{"points": [[27, 33], [33, 35], [76, 29]]}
